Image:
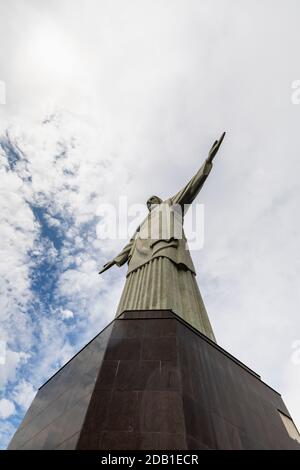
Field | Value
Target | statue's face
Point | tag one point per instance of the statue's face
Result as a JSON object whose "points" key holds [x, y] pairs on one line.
{"points": [[153, 201]]}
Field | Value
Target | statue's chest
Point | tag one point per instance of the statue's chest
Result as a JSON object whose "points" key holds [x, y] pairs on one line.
{"points": [[162, 223]]}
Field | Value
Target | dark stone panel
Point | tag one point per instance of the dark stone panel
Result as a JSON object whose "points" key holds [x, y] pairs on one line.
{"points": [[138, 375], [75, 377], [127, 329], [146, 314], [97, 413], [227, 436], [157, 329], [123, 413], [144, 440], [224, 403], [63, 399], [146, 375], [159, 348], [60, 429], [170, 376], [249, 442], [69, 444], [172, 441], [127, 348], [89, 440], [117, 440], [193, 444], [198, 422], [144, 327], [150, 381], [161, 411], [107, 375]]}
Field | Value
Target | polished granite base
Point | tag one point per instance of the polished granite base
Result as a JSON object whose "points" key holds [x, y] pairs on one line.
{"points": [[150, 381]]}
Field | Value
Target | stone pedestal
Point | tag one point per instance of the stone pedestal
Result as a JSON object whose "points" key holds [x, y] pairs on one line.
{"points": [[150, 381]]}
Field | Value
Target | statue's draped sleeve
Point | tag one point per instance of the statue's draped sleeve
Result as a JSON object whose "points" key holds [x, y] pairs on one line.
{"points": [[123, 256], [187, 194]]}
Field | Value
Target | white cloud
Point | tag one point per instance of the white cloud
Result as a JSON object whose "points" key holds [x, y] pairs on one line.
{"points": [[23, 394], [7, 408], [6, 431], [67, 314], [12, 362], [129, 103]]}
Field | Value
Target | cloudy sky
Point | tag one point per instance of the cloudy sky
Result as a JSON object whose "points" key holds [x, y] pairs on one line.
{"points": [[109, 98]]}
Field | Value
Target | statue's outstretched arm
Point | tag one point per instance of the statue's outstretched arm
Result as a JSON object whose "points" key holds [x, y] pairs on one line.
{"points": [[120, 259], [186, 195]]}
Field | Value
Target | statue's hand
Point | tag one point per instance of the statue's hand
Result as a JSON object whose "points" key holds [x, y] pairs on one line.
{"points": [[214, 150], [107, 266]]}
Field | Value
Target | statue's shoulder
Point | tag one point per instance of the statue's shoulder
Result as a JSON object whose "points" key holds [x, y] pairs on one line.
{"points": [[168, 201]]}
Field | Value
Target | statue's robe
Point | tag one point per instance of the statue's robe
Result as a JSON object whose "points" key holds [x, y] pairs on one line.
{"points": [[161, 273]]}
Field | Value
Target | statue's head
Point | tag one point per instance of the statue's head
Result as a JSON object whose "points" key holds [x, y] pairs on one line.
{"points": [[153, 201]]}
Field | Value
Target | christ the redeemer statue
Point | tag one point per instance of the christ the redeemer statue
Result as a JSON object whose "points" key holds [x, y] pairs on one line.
{"points": [[161, 273]]}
